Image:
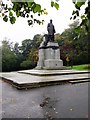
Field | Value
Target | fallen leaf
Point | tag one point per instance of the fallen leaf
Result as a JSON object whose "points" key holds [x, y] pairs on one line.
{"points": [[46, 113], [43, 104], [56, 112], [47, 98], [71, 109], [33, 102]]}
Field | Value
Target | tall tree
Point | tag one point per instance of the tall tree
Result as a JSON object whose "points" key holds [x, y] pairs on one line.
{"points": [[31, 61], [30, 51], [75, 45], [25, 47], [9, 59], [37, 40]]}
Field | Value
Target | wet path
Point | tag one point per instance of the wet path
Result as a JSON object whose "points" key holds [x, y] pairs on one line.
{"points": [[60, 101]]}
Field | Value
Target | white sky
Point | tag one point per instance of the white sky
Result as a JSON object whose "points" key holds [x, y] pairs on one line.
{"points": [[21, 31]]}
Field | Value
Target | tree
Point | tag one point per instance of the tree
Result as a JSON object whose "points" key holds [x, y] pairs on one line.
{"points": [[37, 40], [85, 18], [30, 52], [26, 9], [59, 39], [25, 47], [31, 60], [20, 57], [16, 48], [0, 59], [75, 46], [28, 44], [9, 59]]}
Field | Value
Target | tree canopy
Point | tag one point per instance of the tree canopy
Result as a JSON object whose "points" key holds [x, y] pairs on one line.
{"points": [[85, 18], [74, 45], [23, 8], [29, 8]]}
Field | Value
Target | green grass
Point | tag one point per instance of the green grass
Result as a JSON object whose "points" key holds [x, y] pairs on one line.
{"points": [[80, 67]]}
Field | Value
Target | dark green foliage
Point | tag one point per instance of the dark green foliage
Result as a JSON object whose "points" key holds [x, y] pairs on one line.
{"points": [[36, 41], [27, 65], [25, 47], [55, 4], [9, 59], [22, 9], [85, 18], [29, 9], [25, 10], [74, 45], [20, 57]]}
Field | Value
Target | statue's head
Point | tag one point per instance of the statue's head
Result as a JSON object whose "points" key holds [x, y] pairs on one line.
{"points": [[50, 20]]}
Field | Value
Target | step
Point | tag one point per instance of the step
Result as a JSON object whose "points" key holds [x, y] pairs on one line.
{"points": [[52, 72], [20, 80], [79, 81]]}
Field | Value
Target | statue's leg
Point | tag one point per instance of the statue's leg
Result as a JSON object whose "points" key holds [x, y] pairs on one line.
{"points": [[50, 37], [53, 37], [45, 43]]}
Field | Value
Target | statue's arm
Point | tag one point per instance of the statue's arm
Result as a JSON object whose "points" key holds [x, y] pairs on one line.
{"points": [[54, 29], [48, 27]]}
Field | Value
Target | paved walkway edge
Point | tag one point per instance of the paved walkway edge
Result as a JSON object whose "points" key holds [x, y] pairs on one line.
{"points": [[62, 72], [41, 84]]}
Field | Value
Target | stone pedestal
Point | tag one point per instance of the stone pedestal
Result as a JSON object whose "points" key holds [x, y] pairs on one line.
{"points": [[49, 56]]}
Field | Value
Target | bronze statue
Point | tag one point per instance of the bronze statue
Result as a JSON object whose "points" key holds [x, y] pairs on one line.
{"points": [[51, 31], [50, 36]]}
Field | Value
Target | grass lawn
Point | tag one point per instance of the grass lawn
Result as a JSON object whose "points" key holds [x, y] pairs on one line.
{"points": [[80, 67]]}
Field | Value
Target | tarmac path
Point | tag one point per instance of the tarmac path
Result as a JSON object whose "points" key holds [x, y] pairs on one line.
{"points": [[58, 101]]}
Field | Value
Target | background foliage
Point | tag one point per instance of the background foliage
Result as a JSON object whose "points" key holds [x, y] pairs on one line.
{"points": [[73, 47]]}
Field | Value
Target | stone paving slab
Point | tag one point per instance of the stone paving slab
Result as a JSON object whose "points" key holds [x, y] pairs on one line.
{"points": [[52, 72], [21, 80], [25, 78], [79, 81]]}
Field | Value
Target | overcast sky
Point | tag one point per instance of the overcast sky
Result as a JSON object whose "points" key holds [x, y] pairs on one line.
{"points": [[21, 31]]}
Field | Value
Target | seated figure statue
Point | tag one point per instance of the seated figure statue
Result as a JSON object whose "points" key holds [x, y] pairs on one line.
{"points": [[46, 39]]}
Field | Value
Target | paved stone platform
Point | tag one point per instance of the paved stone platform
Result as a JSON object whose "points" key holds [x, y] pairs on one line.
{"points": [[52, 72], [36, 78]]}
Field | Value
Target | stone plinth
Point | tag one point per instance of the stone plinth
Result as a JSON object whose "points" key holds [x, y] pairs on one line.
{"points": [[49, 56], [53, 64]]}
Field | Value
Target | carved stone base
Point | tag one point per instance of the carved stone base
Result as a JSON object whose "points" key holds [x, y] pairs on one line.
{"points": [[49, 56], [53, 64]]}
